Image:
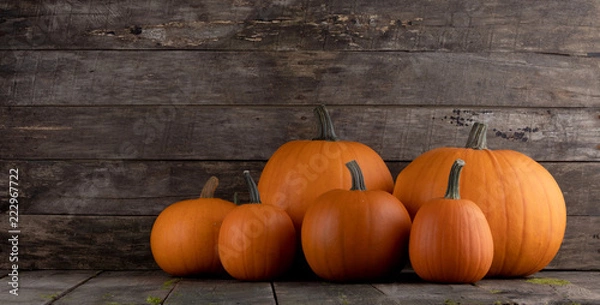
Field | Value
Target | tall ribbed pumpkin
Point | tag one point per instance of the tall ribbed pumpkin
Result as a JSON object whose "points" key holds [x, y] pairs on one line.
{"points": [[450, 239], [299, 171], [522, 202]]}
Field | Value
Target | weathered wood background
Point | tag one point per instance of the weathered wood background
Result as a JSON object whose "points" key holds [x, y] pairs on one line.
{"points": [[112, 110]]}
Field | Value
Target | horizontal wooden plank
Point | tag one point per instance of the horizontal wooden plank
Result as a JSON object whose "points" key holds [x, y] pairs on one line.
{"points": [[81, 242], [42, 287], [579, 183], [122, 242], [254, 133], [120, 187], [200, 291], [94, 187], [587, 280], [76, 77], [529, 292], [413, 290], [566, 27], [319, 292], [581, 246], [123, 287]]}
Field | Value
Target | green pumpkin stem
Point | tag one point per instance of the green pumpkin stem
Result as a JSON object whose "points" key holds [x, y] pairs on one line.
{"points": [[477, 137], [358, 180], [208, 191], [326, 130], [254, 195], [452, 192]]}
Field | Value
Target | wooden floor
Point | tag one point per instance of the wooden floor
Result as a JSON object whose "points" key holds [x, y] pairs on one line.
{"points": [[156, 287]]}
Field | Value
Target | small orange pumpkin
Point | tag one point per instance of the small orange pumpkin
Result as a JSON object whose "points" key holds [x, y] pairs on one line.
{"points": [[522, 202], [450, 239], [299, 171], [355, 234], [257, 242], [183, 239]]}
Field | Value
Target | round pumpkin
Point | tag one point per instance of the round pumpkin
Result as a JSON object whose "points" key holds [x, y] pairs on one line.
{"points": [[355, 234], [183, 239], [450, 239], [299, 171], [522, 202], [257, 242]]}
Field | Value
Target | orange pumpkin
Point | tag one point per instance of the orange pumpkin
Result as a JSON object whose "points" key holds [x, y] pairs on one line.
{"points": [[184, 236], [522, 202], [450, 239], [257, 241], [299, 171], [355, 234]]}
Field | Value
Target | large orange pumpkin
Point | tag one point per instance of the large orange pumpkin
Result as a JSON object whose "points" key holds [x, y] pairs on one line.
{"points": [[450, 239], [355, 234], [257, 242], [299, 171], [521, 200], [184, 236]]}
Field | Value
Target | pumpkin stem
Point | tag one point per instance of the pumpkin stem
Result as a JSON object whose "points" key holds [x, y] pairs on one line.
{"points": [[358, 180], [254, 195], [208, 191], [452, 192], [477, 137], [326, 130]]}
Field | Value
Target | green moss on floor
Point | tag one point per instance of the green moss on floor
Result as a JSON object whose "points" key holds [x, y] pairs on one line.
{"points": [[153, 300], [548, 281]]}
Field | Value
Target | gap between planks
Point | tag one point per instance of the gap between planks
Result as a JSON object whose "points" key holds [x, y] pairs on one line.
{"points": [[67, 291]]}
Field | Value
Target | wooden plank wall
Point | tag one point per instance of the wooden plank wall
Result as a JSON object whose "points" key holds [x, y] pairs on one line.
{"points": [[112, 110]]}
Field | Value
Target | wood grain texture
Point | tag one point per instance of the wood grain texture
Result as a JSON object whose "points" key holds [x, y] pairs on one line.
{"points": [[578, 183], [121, 187], [146, 187], [122, 242], [154, 287], [587, 280], [458, 26], [527, 293], [123, 287], [241, 78], [581, 246], [318, 292], [254, 133], [410, 290], [42, 287], [221, 292], [82, 242]]}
